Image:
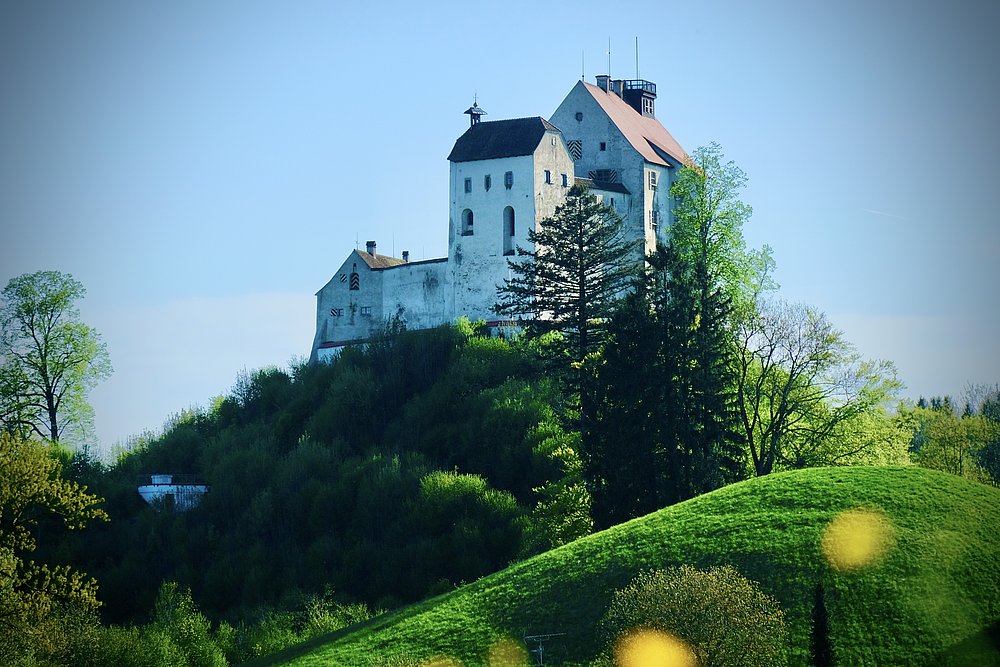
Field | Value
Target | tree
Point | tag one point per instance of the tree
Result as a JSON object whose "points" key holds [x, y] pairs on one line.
{"points": [[957, 444], [718, 613], [666, 385], [50, 359], [800, 384], [707, 233], [31, 489], [570, 280]]}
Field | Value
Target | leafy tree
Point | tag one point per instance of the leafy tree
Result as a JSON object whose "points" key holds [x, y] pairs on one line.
{"points": [[665, 383], [707, 234], [32, 489], [720, 614], [957, 444], [575, 272], [801, 385], [50, 359], [562, 512]]}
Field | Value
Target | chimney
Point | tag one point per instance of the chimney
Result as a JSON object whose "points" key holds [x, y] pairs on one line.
{"points": [[616, 87], [370, 247], [406, 255], [602, 81]]}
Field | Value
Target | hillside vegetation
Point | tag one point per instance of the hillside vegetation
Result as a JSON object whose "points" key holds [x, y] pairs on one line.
{"points": [[928, 600]]}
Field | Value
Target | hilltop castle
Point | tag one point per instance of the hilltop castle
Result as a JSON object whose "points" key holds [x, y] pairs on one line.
{"points": [[505, 177]]}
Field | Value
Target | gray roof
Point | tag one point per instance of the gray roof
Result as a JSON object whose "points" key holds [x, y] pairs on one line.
{"points": [[500, 138]]}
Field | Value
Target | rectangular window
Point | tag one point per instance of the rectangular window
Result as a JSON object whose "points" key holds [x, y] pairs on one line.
{"points": [[654, 218], [548, 177], [565, 180], [508, 180], [604, 146], [366, 311], [652, 180], [468, 185], [487, 182]]}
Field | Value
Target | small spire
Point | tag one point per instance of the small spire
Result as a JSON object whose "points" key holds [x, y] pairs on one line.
{"points": [[475, 113]]}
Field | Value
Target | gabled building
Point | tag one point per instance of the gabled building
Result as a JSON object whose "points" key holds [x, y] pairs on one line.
{"points": [[506, 176]]}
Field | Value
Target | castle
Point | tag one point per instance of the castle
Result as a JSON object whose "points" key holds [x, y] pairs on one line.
{"points": [[506, 176]]}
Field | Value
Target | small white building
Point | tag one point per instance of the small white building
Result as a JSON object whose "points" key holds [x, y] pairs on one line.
{"points": [[177, 492], [506, 176]]}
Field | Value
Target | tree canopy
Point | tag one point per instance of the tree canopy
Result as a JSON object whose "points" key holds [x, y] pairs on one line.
{"points": [[49, 359], [32, 491]]}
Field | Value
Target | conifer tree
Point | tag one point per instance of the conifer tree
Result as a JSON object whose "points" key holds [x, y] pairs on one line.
{"points": [[571, 277]]}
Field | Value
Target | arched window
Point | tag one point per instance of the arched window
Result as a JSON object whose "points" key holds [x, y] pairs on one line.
{"points": [[467, 222], [508, 231]]}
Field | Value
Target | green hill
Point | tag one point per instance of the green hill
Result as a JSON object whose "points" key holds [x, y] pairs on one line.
{"points": [[929, 600]]}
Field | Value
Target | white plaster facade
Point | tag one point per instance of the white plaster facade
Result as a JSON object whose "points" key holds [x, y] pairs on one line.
{"points": [[505, 177]]}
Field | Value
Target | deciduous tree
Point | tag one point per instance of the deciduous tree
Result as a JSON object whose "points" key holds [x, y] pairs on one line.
{"points": [[49, 359], [800, 384], [31, 488]]}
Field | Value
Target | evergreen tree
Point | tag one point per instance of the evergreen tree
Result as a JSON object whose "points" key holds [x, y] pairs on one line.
{"points": [[572, 276]]}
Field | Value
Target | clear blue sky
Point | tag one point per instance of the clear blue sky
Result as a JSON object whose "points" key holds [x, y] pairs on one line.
{"points": [[204, 167]]}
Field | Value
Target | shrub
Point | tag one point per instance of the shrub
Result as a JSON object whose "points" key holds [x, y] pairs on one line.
{"points": [[720, 614]]}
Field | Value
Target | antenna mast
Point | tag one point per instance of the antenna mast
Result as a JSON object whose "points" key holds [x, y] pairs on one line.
{"points": [[637, 57], [583, 65], [609, 57]]}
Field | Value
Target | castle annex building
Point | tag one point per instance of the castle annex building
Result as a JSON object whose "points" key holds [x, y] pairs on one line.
{"points": [[506, 176]]}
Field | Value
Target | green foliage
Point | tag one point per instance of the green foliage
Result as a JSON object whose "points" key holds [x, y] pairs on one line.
{"points": [[397, 470], [961, 445], [932, 592], [33, 494], [562, 512], [49, 359], [176, 615], [665, 426], [708, 227], [718, 612], [806, 397]]}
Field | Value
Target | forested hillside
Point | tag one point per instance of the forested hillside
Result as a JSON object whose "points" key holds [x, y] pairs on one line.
{"points": [[398, 471]]}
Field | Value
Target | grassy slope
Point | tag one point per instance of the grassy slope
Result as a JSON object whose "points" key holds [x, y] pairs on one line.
{"points": [[937, 587]]}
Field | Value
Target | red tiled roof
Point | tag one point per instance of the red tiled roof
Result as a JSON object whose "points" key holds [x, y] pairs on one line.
{"points": [[379, 261], [645, 134]]}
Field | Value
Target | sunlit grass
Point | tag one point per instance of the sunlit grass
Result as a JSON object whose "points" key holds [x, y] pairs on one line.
{"points": [[920, 581]]}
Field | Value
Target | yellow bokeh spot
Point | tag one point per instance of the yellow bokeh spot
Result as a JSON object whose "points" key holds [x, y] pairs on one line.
{"points": [[507, 653], [856, 538], [441, 661], [653, 648]]}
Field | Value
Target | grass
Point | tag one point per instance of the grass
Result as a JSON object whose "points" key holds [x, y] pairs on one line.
{"points": [[931, 598]]}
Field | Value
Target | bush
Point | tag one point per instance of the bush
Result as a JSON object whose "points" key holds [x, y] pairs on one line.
{"points": [[721, 615]]}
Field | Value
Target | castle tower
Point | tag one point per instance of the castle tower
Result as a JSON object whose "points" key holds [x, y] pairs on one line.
{"points": [[505, 176]]}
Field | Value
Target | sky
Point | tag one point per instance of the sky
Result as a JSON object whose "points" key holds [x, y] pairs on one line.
{"points": [[204, 167]]}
